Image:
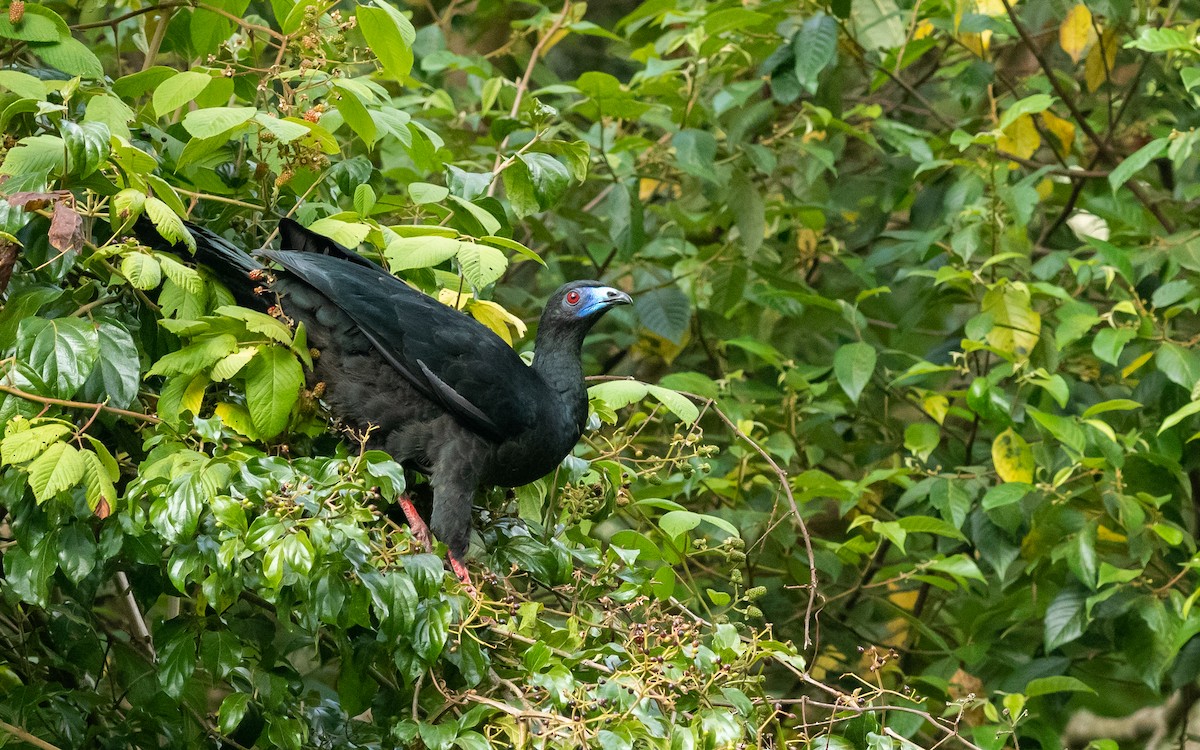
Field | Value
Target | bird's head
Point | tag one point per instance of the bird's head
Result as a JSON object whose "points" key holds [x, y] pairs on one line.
{"points": [[572, 310], [585, 300]]}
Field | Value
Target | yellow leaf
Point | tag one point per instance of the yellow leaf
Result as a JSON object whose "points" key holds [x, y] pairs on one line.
{"points": [[1016, 326], [936, 406], [1136, 364], [1012, 457], [236, 418], [452, 298], [1021, 137], [1045, 188], [193, 396], [924, 29], [497, 319], [1100, 60], [977, 43], [648, 187], [1105, 534], [1062, 130], [1077, 34], [991, 7]]}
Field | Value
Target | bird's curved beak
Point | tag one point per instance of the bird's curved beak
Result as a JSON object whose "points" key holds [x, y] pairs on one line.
{"points": [[604, 297]]}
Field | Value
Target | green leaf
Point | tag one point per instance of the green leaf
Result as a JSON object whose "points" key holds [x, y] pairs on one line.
{"points": [[197, 356], [423, 193], [141, 270], [1180, 365], [178, 90], [232, 364], [70, 56], [176, 661], [1116, 404], [171, 227], [59, 468], [929, 525], [390, 36], [853, 364], [98, 480], [117, 374], [355, 113], [1179, 415], [608, 98], [1136, 162], [814, 48], [62, 351], [518, 187], [665, 311], [680, 405], [25, 445], [1110, 342], [38, 24], [285, 131], [87, 146], [481, 265], [214, 121], [550, 178], [505, 243], [22, 84], [431, 629], [1028, 106], [1005, 494], [37, 155], [619, 393], [749, 214], [273, 380], [1056, 684], [1066, 617], [404, 253], [232, 711], [364, 200], [695, 153]]}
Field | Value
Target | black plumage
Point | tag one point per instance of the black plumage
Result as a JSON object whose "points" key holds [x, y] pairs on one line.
{"points": [[443, 394]]}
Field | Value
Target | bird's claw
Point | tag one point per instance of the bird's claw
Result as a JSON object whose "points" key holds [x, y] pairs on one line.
{"points": [[460, 570], [417, 526]]}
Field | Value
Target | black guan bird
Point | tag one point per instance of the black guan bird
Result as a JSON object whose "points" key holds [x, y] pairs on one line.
{"points": [[440, 392]]}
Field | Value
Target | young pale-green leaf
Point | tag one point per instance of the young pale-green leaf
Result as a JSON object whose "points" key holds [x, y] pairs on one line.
{"points": [[58, 469], [390, 36], [273, 380], [214, 121], [178, 90]]}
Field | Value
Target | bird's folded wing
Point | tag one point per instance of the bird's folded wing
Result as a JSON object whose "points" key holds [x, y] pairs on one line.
{"points": [[449, 357]]}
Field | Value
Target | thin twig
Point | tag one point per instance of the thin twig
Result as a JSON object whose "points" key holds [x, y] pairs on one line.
{"points": [[24, 736], [523, 84], [135, 612], [78, 404]]}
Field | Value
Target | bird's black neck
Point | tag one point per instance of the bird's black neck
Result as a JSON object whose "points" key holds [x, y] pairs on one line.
{"points": [[556, 360]]}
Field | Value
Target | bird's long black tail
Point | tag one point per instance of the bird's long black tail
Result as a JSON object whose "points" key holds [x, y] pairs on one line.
{"points": [[229, 263]]}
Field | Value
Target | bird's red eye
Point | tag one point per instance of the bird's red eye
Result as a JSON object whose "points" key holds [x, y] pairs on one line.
{"points": [[572, 297]]}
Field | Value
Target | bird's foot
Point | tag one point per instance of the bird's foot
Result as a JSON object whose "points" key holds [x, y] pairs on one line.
{"points": [[460, 570], [417, 526]]}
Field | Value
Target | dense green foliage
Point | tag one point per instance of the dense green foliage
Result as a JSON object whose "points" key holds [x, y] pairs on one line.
{"points": [[916, 289]]}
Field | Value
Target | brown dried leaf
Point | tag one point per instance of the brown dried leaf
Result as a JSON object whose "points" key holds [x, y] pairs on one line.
{"points": [[66, 228], [34, 201]]}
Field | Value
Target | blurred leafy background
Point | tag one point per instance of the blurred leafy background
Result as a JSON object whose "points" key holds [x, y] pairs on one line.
{"points": [[893, 450]]}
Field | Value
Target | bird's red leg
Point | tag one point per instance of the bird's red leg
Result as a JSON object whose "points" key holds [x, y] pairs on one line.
{"points": [[460, 570], [417, 526]]}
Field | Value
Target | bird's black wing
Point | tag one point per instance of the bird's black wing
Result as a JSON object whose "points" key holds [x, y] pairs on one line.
{"points": [[449, 357]]}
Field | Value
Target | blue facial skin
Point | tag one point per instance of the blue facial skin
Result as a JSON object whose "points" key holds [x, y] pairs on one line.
{"points": [[596, 299]]}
